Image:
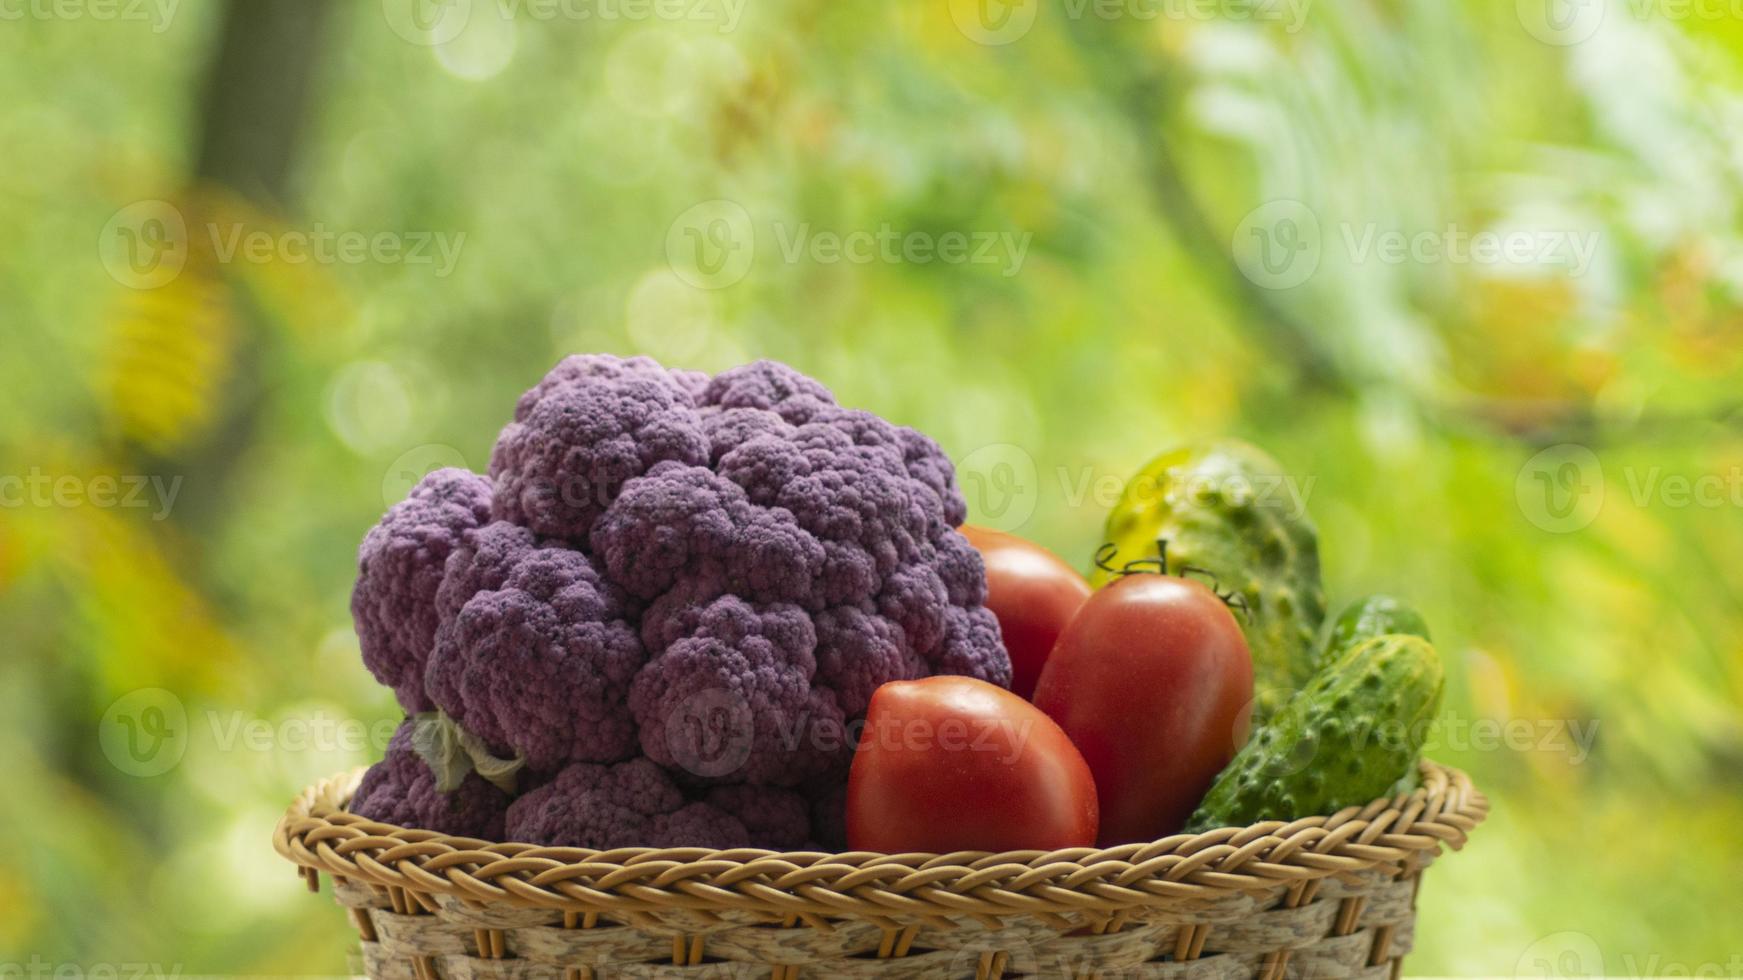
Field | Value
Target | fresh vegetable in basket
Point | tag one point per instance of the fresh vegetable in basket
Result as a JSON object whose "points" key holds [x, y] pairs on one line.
{"points": [[1153, 682], [1371, 616], [1344, 740], [1227, 509], [955, 764], [670, 592], [1033, 592]]}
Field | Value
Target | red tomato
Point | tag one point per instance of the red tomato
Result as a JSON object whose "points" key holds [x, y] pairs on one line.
{"points": [[1154, 684], [1033, 593], [956, 764]]}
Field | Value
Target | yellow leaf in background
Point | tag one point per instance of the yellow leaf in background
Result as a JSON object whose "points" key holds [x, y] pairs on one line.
{"points": [[175, 338], [11, 555], [171, 342], [302, 297], [1518, 347], [16, 897], [137, 617], [138, 614]]}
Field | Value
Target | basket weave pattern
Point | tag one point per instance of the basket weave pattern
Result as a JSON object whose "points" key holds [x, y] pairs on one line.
{"points": [[1319, 897]]}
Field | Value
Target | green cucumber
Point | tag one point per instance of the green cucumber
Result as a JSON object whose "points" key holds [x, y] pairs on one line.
{"points": [[1228, 511], [1371, 616], [1346, 739]]}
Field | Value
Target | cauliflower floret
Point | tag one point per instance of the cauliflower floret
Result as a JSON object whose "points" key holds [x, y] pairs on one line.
{"points": [[735, 700], [973, 648], [401, 790], [776, 819], [858, 501], [679, 522], [399, 569], [858, 651], [768, 385], [542, 666], [575, 444], [481, 562], [631, 804], [604, 367]]}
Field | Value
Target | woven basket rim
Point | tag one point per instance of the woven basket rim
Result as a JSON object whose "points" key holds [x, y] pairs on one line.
{"points": [[1185, 869]]}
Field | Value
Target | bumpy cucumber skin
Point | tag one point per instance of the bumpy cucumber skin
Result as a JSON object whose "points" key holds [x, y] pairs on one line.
{"points": [[1368, 617], [1224, 507], [1348, 738]]}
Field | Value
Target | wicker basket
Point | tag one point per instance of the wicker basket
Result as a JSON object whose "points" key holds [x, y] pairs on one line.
{"points": [[1320, 897]]}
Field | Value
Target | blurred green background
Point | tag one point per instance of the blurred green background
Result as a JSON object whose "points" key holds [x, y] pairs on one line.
{"points": [[1472, 271]]}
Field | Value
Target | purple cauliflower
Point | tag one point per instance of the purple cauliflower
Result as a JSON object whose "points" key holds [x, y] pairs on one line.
{"points": [[541, 667], [631, 804], [399, 569], [776, 819], [684, 522], [481, 562], [676, 595], [401, 790], [735, 699], [575, 443]]}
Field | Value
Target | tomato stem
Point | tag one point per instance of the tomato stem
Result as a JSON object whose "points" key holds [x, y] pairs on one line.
{"points": [[1104, 560]]}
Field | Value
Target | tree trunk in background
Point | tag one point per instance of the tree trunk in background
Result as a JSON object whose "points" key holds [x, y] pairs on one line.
{"points": [[257, 94], [253, 108]]}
